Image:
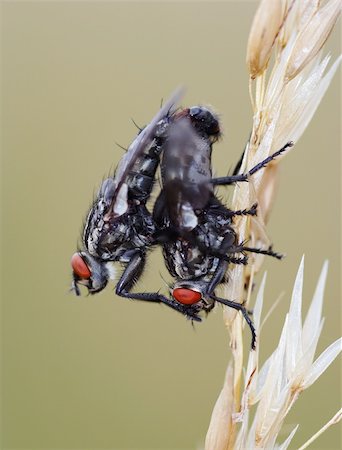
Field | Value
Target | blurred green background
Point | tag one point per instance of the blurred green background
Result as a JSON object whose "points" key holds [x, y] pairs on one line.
{"points": [[102, 372]]}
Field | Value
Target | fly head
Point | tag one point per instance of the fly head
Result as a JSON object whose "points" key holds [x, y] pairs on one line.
{"points": [[88, 272], [192, 292], [205, 122]]}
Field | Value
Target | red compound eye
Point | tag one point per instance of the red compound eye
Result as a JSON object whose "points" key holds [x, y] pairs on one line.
{"points": [[186, 296], [80, 267]]}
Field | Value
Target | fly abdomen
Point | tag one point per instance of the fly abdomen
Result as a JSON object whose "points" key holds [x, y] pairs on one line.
{"points": [[140, 182], [141, 178]]}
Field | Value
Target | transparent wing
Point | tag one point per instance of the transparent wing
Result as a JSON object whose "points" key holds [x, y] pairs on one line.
{"points": [[144, 139]]}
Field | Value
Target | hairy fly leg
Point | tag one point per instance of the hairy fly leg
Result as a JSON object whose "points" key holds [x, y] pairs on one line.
{"points": [[224, 251], [228, 247], [268, 252], [216, 279], [132, 272], [245, 212], [245, 312], [225, 181]]}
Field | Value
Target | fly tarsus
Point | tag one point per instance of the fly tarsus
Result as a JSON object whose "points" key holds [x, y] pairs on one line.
{"points": [[226, 181], [242, 248], [240, 307]]}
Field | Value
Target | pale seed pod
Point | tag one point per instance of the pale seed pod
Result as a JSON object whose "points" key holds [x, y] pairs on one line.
{"points": [[220, 423], [312, 38], [266, 24]]}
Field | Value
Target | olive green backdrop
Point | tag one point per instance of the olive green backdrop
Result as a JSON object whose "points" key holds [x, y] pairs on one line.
{"points": [[102, 372]]}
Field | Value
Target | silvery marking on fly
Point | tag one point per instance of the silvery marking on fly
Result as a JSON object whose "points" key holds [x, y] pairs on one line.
{"points": [[195, 230]]}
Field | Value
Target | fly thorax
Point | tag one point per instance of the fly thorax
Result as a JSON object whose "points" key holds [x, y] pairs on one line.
{"points": [[189, 261], [94, 227]]}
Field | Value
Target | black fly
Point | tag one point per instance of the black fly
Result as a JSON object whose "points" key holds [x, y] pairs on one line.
{"points": [[194, 227], [119, 227]]}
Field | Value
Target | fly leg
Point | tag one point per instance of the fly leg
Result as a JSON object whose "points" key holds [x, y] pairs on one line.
{"points": [[233, 260], [242, 248], [245, 312], [244, 176], [129, 277], [216, 280], [224, 252], [245, 212]]}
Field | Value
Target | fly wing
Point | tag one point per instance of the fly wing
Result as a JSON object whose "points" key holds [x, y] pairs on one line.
{"points": [[143, 140], [186, 173]]}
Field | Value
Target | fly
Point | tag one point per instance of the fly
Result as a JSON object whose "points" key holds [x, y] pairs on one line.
{"points": [[119, 226], [195, 229]]}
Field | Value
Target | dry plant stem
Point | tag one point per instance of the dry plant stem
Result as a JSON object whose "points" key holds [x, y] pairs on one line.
{"points": [[272, 308], [274, 395], [287, 82], [333, 421], [222, 414], [269, 102]]}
